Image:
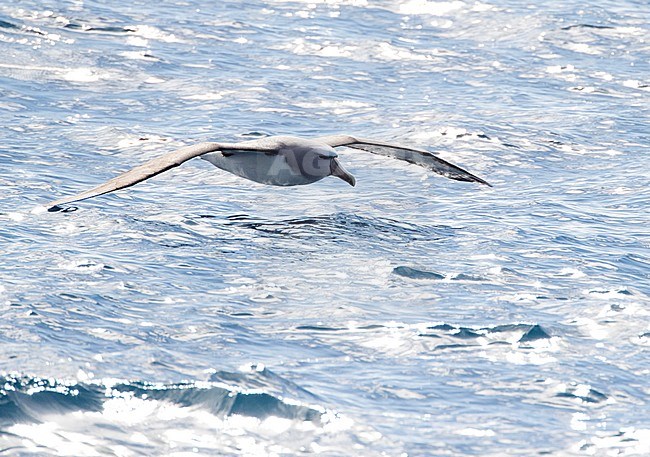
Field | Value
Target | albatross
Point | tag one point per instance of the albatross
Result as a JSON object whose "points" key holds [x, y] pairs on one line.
{"points": [[277, 161]]}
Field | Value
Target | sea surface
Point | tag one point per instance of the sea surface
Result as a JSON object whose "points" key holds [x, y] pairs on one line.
{"points": [[202, 314]]}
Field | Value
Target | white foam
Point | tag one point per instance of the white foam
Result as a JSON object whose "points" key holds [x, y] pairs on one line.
{"points": [[82, 75], [579, 421], [475, 432], [47, 435], [137, 55], [628, 441], [81, 266], [635, 84], [154, 80], [154, 33], [131, 420], [583, 48], [137, 41], [554, 69], [387, 51], [336, 106], [19, 217], [518, 358], [332, 3], [431, 8], [206, 96], [571, 273]]}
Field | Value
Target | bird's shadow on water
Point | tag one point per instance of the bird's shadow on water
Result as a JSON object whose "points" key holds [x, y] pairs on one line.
{"points": [[338, 228], [341, 227]]}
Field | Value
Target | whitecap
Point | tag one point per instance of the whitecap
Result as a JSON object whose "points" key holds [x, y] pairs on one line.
{"points": [[432, 8], [82, 75]]}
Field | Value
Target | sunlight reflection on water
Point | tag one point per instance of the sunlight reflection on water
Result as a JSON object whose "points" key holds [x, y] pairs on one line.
{"points": [[410, 314]]}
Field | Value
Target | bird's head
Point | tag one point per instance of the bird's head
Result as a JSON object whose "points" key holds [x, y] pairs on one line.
{"points": [[337, 170], [313, 161], [327, 161]]}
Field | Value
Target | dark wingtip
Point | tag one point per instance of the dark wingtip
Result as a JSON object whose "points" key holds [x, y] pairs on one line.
{"points": [[484, 182], [468, 177], [61, 209]]}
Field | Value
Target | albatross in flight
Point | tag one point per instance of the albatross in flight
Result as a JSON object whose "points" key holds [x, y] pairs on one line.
{"points": [[275, 160]]}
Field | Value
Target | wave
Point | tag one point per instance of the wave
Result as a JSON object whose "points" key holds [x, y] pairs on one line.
{"points": [[29, 399], [255, 412]]}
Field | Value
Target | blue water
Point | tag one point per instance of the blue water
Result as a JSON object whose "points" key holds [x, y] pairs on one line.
{"points": [[199, 313]]}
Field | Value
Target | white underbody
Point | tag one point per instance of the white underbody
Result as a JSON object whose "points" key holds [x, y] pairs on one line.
{"points": [[274, 169]]}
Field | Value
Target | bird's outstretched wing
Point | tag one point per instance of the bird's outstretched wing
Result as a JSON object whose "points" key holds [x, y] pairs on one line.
{"points": [[156, 166], [416, 156]]}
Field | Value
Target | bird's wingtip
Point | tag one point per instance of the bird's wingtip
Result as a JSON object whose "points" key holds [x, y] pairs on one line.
{"points": [[57, 206], [51, 208]]}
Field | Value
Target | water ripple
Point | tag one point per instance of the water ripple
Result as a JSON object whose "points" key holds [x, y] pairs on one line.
{"points": [[408, 315]]}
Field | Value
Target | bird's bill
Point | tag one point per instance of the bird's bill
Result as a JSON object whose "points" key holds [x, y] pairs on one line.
{"points": [[340, 172]]}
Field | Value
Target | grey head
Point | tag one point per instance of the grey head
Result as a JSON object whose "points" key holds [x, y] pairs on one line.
{"points": [[288, 161]]}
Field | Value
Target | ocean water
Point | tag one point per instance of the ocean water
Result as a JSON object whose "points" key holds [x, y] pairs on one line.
{"points": [[202, 314]]}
